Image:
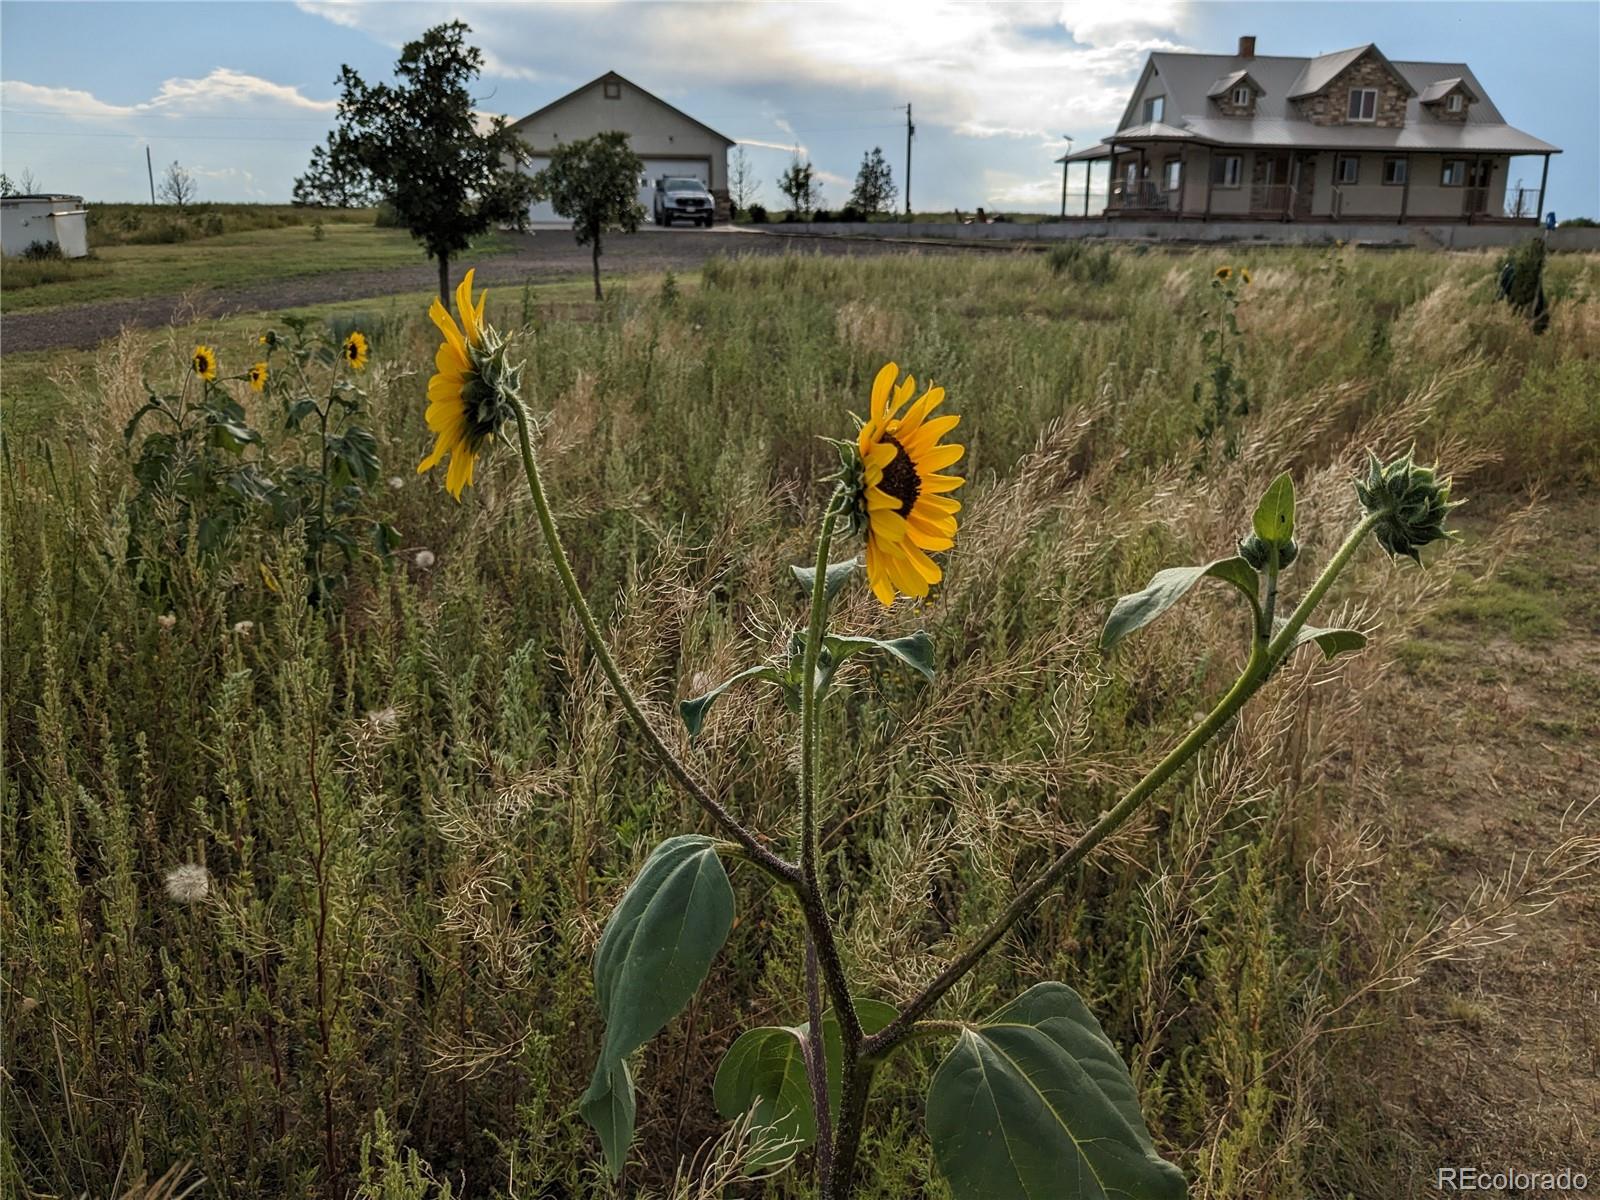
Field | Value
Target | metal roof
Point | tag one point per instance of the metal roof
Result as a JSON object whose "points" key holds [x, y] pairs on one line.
{"points": [[1322, 70], [1440, 88], [1228, 82], [1189, 78]]}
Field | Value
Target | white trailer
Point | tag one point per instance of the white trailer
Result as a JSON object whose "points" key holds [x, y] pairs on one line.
{"points": [[54, 220]]}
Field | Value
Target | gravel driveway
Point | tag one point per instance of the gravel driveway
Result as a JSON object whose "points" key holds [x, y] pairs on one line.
{"points": [[544, 255]]}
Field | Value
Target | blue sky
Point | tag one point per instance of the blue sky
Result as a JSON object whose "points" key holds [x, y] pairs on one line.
{"points": [[239, 92]]}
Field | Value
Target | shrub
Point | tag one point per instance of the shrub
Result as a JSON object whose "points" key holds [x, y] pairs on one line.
{"points": [[386, 216], [758, 214], [43, 252], [851, 213], [1083, 263], [822, 217], [1578, 223]]}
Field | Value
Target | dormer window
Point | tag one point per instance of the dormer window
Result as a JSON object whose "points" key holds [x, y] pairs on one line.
{"points": [[1453, 102], [1154, 109], [1242, 95], [1363, 105]]}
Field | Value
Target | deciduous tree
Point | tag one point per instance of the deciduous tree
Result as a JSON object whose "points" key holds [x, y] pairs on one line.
{"points": [[335, 178], [799, 184], [594, 183], [419, 140]]}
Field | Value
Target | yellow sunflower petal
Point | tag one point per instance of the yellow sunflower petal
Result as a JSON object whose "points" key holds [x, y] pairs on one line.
{"points": [[878, 499], [447, 326], [928, 433], [887, 525], [447, 360], [939, 504], [907, 579], [911, 424], [468, 314], [922, 535], [880, 456], [878, 576], [921, 563], [932, 485], [939, 457], [460, 471], [904, 392], [880, 391]]}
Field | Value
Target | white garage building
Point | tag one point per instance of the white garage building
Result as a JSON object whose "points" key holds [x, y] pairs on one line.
{"points": [[669, 140]]}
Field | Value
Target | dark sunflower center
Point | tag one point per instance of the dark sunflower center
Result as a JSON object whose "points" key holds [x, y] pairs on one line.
{"points": [[481, 403], [352, 351], [900, 478]]}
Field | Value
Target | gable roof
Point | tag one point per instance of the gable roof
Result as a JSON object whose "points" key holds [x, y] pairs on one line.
{"points": [[1440, 88], [1228, 82], [1187, 80], [1322, 70], [649, 95]]}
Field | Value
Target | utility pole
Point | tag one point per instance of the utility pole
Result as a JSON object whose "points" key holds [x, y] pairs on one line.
{"points": [[151, 171], [910, 130]]}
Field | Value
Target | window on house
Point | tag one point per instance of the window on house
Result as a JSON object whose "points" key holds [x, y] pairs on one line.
{"points": [[1241, 96], [1454, 172], [1172, 176], [613, 90], [1227, 170], [1363, 104], [1394, 171], [1154, 109], [1347, 170], [1453, 102]]}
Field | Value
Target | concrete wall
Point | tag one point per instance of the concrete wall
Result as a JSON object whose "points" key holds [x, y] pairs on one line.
{"points": [[655, 131], [1266, 233]]}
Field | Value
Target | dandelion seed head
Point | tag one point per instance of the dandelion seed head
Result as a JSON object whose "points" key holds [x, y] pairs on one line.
{"points": [[188, 884], [396, 483], [424, 559], [244, 628], [166, 621]]}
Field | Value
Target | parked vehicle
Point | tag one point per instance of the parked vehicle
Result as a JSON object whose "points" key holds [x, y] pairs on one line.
{"points": [[678, 197]]}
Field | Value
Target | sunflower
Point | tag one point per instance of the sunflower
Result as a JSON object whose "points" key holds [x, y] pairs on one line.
{"points": [[472, 390], [902, 500], [355, 350], [257, 375], [1244, 274], [203, 362], [1223, 273]]}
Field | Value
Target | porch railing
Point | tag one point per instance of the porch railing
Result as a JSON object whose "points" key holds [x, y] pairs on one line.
{"points": [[1389, 202], [1143, 196]]}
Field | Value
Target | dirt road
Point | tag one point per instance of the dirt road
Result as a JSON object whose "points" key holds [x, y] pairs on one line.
{"points": [[548, 254]]}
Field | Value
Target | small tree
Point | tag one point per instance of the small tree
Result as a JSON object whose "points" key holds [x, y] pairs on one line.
{"points": [[335, 178], [419, 142], [874, 191], [799, 184], [178, 187], [743, 185], [594, 183]]}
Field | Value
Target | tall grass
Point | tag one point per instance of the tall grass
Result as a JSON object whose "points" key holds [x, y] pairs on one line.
{"points": [[163, 224], [415, 807]]}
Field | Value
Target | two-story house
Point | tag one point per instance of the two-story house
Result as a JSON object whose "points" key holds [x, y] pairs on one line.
{"points": [[1349, 136]]}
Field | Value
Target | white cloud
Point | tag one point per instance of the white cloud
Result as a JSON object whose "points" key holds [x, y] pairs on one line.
{"points": [[1022, 69], [222, 93]]}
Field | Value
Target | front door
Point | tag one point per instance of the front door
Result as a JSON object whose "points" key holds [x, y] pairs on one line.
{"points": [[1480, 177], [1269, 184], [1302, 183]]}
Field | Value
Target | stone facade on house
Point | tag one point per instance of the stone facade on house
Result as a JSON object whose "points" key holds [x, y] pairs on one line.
{"points": [[1331, 106], [1439, 109], [1228, 108]]}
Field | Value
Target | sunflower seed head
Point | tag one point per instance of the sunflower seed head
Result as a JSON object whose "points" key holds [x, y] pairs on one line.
{"points": [[1256, 551], [1414, 503]]}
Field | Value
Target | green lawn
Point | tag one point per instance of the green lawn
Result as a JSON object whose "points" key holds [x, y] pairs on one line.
{"points": [[227, 261]]}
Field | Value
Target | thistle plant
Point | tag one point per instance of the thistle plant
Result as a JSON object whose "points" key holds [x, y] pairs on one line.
{"points": [[1032, 1099]]}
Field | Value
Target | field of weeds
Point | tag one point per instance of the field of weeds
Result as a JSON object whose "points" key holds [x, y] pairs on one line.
{"points": [[415, 803]]}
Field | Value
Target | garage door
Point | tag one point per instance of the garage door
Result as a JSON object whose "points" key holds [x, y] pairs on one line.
{"points": [[654, 168], [541, 210], [679, 168]]}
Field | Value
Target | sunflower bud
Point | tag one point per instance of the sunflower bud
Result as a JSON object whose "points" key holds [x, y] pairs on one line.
{"points": [[1413, 502], [1256, 550]]}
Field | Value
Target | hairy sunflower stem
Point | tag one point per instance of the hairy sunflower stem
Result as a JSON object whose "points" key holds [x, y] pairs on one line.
{"points": [[1270, 607], [1262, 659], [785, 872], [817, 1064]]}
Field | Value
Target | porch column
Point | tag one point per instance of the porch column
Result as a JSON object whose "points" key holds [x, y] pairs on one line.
{"points": [[1088, 173], [1544, 178], [1211, 175], [1405, 191]]}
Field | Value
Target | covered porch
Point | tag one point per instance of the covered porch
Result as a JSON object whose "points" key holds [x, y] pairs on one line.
{"points": [[1170, 174]]}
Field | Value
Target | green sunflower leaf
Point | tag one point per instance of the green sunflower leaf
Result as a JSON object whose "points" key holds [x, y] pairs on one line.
{"points": [[1035, 1104], [838, 575], [1274, 517], [914, 651], [694, 711], [1137, 609], [765, 1070], [1332, 642], [655, 953]]}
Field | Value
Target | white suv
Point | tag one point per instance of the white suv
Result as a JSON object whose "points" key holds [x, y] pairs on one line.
{"points": [[678, 197]]}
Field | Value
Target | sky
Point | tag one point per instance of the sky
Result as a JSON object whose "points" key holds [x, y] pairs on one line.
{"points": [[239, 91]]}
